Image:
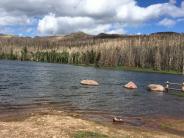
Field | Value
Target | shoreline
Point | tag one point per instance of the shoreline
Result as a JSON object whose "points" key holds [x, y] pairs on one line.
{"points": [[118, 68], [48, 119], [133, 69], [52, 123]]}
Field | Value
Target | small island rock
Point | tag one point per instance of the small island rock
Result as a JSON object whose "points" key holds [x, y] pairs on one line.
{"points": [[182, 88], [89, 82], [156, 88], [130, 85]]}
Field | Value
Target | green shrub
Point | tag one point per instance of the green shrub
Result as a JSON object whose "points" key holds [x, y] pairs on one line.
{"points": [[88, 134]]}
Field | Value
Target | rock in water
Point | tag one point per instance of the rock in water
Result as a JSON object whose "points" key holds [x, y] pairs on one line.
{"points": [[130, 85], [115, 119], [156, 88], [89, 82], [182, 89]]}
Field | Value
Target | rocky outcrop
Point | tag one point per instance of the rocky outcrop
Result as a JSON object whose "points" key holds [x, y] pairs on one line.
{"points": [[130, 85], [89, 82], [156, 88]]}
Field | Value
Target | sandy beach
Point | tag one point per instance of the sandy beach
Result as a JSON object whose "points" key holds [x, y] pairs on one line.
{"points": [[57, 124]]}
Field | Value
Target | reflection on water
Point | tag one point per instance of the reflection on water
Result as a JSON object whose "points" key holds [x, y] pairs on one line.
{"points": [[27, 85]]}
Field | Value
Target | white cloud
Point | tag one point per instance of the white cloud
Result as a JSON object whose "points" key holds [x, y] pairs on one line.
{"points": [[48, 25], [91, 16], [51, 24], [11, 20], [98, 16], [167, 22], [134, 14]]}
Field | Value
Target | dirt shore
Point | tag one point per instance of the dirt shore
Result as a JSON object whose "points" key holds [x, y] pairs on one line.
{"points": [[59, 124]]}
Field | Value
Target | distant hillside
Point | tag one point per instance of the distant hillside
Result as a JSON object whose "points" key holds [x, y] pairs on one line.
{"points": [[78, 35], [6, 35], [165, 33], [83, 36], [108, 36]]}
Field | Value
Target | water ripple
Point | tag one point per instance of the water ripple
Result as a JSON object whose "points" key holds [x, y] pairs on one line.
{"points": [[26, 85]]}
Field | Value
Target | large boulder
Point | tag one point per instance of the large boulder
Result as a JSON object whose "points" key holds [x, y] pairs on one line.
{"points": [[89, 82], [130, 85], [182, 88], [156, 88]]}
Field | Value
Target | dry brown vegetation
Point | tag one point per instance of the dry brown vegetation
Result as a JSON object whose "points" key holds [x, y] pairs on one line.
{"points": [[159, 51]]}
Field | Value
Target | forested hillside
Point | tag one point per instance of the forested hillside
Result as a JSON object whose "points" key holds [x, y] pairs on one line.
{"points": [[158, 51]]}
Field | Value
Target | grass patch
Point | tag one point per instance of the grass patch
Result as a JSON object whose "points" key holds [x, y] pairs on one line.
{"points": [[136, 94], [123, 68], [144, 70], [88, 134], [164, 126], [179, 94]]}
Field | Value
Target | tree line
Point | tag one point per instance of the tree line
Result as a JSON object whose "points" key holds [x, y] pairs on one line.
{"points": [[162, 51]]}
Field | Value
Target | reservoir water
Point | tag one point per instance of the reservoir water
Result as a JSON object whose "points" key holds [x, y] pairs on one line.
{"points": [[29, 85]]}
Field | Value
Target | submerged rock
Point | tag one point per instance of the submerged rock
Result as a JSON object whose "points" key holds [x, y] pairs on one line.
{"points": [[89, 82], [130, 85], [156, 88]]}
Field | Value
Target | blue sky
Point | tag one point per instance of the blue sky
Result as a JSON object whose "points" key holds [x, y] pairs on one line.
{"points": [[152, 26], [145, 3], [59, 17]]}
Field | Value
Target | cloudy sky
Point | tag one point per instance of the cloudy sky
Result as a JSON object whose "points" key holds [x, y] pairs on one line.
{"points": [[58, 17]]}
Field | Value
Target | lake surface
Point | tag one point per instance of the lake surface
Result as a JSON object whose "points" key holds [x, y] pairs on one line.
{"points": [[28, 85]]}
